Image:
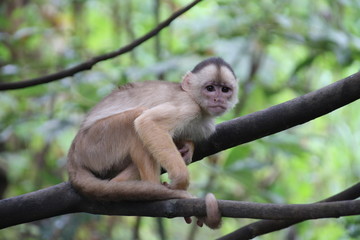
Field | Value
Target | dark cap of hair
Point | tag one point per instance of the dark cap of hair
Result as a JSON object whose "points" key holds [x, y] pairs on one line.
{"points": [[217, 61]]}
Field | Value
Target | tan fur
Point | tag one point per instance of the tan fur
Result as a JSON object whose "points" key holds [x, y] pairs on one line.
{"points": [[137, 129]]}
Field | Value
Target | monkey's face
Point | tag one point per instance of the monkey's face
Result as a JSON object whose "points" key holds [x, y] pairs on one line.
{"points": [[217, 98], [214, 88]]}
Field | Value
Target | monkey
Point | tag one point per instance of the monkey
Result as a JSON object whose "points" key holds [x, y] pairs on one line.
{"points": [[141, 127]]}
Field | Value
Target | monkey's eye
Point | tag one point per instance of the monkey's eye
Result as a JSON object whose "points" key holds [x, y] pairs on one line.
{"points": [[210, 88], [225, 89]]}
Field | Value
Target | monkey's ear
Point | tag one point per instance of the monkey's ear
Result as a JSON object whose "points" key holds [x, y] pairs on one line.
{"points": [[186, 82]]}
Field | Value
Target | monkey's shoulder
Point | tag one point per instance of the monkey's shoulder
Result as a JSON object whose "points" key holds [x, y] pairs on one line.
{"points": [[149, 94]]}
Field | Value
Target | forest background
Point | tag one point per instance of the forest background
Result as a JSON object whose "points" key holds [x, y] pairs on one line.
{"points": [[279, 50]]}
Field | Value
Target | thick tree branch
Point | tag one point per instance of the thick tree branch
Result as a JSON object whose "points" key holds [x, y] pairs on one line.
{"points": [[62, 199], [90, 63], [281, 117], [53, 201]]}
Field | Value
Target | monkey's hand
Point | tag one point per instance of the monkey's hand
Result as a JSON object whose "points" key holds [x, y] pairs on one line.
{"points": [[179, 180], [186, 149]]}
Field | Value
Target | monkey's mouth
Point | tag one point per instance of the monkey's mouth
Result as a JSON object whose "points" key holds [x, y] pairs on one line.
{"points": [[217, 108]]}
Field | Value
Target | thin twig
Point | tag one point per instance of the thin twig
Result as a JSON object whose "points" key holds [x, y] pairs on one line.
{"points": [[90, 63]]}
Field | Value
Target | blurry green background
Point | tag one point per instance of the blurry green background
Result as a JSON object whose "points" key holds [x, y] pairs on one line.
{"points": [[278, 49]]}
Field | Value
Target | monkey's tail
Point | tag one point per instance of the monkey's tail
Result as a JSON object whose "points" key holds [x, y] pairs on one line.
{"points": [[89, 185], [213, 214]]}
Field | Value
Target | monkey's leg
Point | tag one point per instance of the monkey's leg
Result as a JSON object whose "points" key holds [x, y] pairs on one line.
{"points": [[143, 166], [128, 174], [153, 127], [147, 167]]}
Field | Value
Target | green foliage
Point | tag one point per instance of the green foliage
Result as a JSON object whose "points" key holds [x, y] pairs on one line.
{"points": [[297, 46]]}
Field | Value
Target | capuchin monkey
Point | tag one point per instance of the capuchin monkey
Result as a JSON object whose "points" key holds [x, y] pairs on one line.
{"points": [[140, 127]]}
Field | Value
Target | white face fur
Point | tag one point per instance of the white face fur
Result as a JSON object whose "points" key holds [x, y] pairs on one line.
{"points": [[213, 87]]}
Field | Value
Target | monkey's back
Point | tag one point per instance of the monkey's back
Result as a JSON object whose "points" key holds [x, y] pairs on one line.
{"points": [[134, 95]]}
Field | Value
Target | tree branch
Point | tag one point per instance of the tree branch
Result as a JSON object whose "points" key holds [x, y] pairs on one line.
{"points": [[266, 226], [280, 117], [90, 63], [62, 199]]}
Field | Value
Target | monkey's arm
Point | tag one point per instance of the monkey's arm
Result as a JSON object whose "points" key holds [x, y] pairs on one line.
{"points": [[154, 127]]}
